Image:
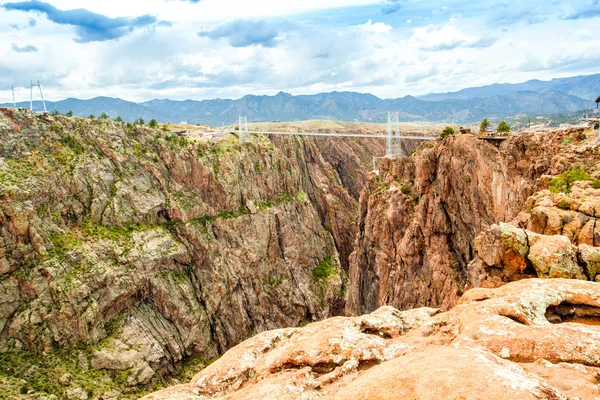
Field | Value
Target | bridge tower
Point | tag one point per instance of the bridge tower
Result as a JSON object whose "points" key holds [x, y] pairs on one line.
{"points": [[244, 132], [41, 95], [393, 144]]}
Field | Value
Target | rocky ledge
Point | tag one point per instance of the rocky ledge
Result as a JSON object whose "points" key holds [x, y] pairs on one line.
{"points": [[530, 339]]}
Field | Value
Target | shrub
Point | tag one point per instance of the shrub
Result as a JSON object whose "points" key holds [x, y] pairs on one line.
{"points": [[139, 121], [69, 113], [596, 184], [404, 189], [324, 269], [55, 112], [564, 182], [563, 204], [503, 128], [448, 131], [484, 125], [103, 116], [119, 119], [152, 123]]}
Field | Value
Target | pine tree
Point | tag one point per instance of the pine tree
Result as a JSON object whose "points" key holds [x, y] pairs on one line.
{"points": [[484, 125], [503, 128]]}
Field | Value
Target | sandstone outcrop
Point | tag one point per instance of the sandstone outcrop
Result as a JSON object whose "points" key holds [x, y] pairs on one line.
{"points": [[419, 216], [555, 237], [531, 339], [147, 248]]}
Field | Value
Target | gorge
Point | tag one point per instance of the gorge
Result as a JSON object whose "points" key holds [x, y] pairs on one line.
{"points": [[132, 257]]}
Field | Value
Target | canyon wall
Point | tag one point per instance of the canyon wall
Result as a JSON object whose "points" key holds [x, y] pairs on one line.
{"points": [[420, 215], [136, 248]]}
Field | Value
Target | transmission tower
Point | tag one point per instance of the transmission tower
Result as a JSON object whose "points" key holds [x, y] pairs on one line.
{"points": [[393, 144], [41, 95]]}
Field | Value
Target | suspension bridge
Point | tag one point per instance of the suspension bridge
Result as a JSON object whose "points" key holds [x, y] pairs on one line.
{"points": [[393, 136]]}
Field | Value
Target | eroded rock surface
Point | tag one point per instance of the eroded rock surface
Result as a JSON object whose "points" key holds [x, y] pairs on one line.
{"points": [[147, 248], [531, 339], [419, 216]]}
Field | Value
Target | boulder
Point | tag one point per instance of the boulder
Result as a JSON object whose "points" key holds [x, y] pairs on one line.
{"points": [[554, 257], [590, 257]]}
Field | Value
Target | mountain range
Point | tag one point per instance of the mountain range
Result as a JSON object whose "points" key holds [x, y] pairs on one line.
{"points": [[496, 101]]}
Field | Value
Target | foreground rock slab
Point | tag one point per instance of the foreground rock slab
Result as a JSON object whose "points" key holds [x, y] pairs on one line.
{"points": [[530, 339]]}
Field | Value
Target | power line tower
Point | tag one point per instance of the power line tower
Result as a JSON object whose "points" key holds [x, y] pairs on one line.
{"points": [[244, 132], [393, 144], [41, 95]]}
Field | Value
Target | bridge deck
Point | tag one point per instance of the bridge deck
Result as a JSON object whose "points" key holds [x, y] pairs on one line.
{"points": [[335, 134]]}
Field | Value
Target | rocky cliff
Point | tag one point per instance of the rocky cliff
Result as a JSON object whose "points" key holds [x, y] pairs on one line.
{"points": [[125, 250], [419, 215], [531, 339]]}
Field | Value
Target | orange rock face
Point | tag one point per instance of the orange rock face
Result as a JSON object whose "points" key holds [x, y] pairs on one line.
{"points": [[531, 339], [420, 215]]}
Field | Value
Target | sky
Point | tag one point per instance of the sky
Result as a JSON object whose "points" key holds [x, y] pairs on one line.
{"points": [[206, 49]]}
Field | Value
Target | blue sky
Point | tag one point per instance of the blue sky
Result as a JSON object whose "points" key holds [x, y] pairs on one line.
{"points": [[202, 49]]}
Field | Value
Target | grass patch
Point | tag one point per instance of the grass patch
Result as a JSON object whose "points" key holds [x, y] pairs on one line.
{"points": [[324, 269]]}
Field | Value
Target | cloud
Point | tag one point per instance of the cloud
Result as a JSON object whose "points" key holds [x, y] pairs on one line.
{"points": [[89, 26], [246, 33], [393, 6], [589, 10], [32, 22], [448, 37], [377, 27], [25, 49]]}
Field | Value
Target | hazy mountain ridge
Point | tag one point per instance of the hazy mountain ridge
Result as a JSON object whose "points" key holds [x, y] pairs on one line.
{"points": [[586, 87], [495, 101]]}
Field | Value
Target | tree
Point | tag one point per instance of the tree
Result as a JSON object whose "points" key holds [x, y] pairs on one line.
{"points": [[92, 116], [152, 123], [55, 112], [503, 128], [447, 132], [69, 113], [119, 119], [484, 125], [139, 121], [103, 116]]}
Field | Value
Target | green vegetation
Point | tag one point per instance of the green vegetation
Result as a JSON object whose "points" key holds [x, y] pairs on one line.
{"points": [[152, 123], [69, 113], [564, 182], [23, 372], [324, 269], [405, 189], [485, 124], [503, 128], [55, 113], [139, 121], [118, 119], [448, 131], [72, 143], [563, 204], [103, 116]]}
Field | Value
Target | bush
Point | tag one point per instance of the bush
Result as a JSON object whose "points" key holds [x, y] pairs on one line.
{"points": [[103, 116], [564, 182], [69, 113], [324, 269], [563, 204], [118, 119], [55, 112], [503, 128], [484, 125], [152, 123], [139, 121], [448, 131], [596, 184]]}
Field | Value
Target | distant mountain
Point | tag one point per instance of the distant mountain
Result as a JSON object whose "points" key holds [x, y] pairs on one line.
{"points": [[586, 87], [346, 106]]}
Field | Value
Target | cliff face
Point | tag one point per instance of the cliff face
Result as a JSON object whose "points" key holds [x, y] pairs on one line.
{"points": [[143, 248], [420, 215], [532, 339]]}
